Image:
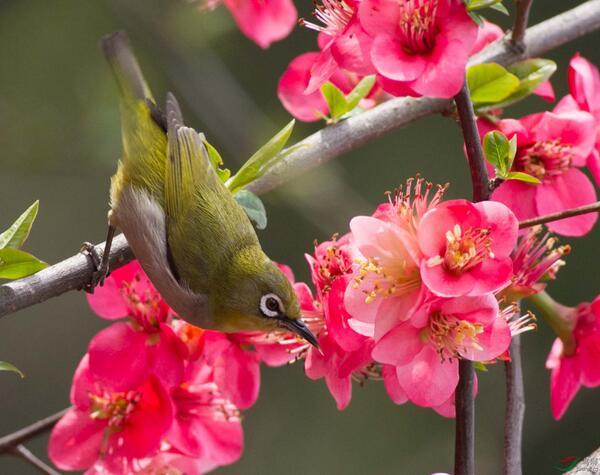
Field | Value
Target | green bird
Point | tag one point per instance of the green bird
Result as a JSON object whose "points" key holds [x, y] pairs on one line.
{"points": [[192, 239]]}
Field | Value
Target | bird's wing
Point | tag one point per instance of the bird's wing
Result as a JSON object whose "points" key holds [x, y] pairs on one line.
{"points": [[205, 225]]}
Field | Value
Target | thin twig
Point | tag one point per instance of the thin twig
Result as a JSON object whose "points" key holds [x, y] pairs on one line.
{"points": [[520, 25], [515, 410], [10, 441], [464, 452], [316, 149], [24, 453], [569, 213]]}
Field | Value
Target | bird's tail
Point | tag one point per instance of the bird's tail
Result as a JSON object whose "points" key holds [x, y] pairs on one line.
{"points": [[120, 57]]}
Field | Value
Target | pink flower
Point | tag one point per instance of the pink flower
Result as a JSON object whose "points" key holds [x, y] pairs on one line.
{"points": [[425, 350], [206, 424], [536, 258], [576, 364], [550, 146], [486, 34], [584, 85], [466, 247], [386, 284], [263, 21], [310, 105], [424, 44], [124, 354], [109, 423]]}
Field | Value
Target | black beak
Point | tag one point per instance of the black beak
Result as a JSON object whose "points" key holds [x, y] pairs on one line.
{"points": [[299, 328]]}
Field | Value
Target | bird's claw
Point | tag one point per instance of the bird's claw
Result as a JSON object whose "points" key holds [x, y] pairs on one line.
{"points": [[99, 273]]}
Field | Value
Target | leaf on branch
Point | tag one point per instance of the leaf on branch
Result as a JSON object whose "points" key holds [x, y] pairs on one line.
{"points": [[216, 160], [6, 366], [499, 7], [340, 105], [18, 232], [490, 82], [15, 264], [520, 176], [253, 206], [479, 366], [500, 151], [531, 73], [473, 5], [258, 164]]}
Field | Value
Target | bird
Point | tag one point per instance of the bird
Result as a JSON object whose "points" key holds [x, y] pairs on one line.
{"points": [[184, 226]]}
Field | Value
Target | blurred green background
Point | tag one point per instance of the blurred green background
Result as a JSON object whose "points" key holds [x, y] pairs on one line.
{"points": [[59, 142]]}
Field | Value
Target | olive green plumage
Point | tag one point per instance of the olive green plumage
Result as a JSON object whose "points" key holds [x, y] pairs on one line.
{"points": [[191, 237]]}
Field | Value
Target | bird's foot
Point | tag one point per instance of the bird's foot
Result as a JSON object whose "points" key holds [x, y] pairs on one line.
{"points": [[100, 270]]}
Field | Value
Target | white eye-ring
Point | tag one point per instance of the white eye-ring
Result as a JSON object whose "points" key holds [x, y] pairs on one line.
{"points": [[270, 305]]}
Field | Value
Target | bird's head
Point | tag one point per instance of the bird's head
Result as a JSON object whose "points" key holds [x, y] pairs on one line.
{"points": [[259, 297]]}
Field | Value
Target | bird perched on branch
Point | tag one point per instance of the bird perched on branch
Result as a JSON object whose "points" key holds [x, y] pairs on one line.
{"points": [[192, 239]]}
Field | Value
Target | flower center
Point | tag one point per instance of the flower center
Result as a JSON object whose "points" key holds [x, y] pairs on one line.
{"points": [[451, 336], [145, 303], [418, 25], [464, 250], [334, 16], [392, 282], [332, 263], [114, 407], [545, 159]]}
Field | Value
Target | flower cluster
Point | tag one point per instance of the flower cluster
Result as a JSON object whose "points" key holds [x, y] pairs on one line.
{"points": [[413, 47], [154, 394]]}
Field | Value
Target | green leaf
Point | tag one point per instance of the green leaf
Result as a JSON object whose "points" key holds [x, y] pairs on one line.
{"points": [[496, 148], [253, 207], [215, 158], [490, 82], [5, 366], [520, 176], [477, 18], [16, 235], [500, 8], [473, 5], [531, 73], [336, 100], [479, 366], [360, 91], [512, 150], [15, 264], [262, 160]]}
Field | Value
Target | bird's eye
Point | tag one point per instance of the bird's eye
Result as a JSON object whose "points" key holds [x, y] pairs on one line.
{"points": [[270, 305]]}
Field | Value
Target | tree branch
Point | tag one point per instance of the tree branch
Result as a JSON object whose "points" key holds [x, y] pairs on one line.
{"points": [[24, 453], [569, 213], [316, 149], [464, 450], [10, 441], [520, 26], [515, 410]]}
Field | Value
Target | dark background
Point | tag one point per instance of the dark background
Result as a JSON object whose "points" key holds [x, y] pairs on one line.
{"points": [[60, 140]]}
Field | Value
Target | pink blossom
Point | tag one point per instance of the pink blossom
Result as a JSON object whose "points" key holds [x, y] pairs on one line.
{"points": [[108, 423], [310, 105], [486, 34], [206, 424], [535, 259], [425, 350], [263, 21], [124, 354], [584, 87], [550, 146], [466, 247], [424, 44], [575, 365], [386, 284]]}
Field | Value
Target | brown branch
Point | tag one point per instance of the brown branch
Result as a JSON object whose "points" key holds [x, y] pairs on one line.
{"points": [[569, 213], [23, 452], [75, 272], [464, 449], [515, 410], [520, 26], [10, 441]]}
